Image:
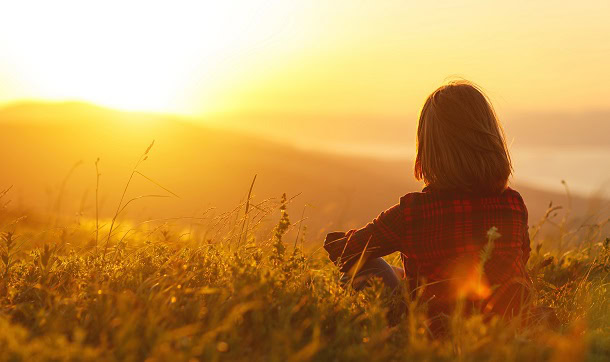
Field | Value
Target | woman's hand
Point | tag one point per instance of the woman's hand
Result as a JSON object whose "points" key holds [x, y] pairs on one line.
{"points": [[330, 237]]}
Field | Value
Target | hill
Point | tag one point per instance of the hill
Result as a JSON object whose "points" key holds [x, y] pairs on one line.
{"points": [[42, 144]]}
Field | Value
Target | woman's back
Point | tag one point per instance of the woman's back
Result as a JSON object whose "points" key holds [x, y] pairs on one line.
{"points": [[441, 235], [450, 231]]}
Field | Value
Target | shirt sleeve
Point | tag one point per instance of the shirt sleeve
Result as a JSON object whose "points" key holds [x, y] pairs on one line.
{"points": [[378, 238]]}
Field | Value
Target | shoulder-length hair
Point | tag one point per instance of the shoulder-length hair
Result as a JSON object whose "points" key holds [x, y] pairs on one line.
{"points": [[460, 142]]}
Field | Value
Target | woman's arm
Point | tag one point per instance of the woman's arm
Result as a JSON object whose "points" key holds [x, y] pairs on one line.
{"points": [[378, 238]]}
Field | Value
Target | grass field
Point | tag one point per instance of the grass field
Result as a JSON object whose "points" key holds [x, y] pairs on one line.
{"points": [[235, 287]]}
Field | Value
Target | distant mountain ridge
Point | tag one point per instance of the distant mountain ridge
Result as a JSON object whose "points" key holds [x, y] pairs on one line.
{"points": [[40, 143]]}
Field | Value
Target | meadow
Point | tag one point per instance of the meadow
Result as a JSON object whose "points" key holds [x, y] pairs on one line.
{"points": [[248, 284]]}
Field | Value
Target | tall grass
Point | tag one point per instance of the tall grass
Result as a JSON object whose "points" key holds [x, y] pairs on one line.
{"points": [[152, 295]]}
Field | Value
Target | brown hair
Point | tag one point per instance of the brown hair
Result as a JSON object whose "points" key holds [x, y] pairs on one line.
{"points": [[460, 142]]}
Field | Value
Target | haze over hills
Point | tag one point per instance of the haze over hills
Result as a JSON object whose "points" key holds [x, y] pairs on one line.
{"points": [[588, 128], [42, 143], [546, 146]]}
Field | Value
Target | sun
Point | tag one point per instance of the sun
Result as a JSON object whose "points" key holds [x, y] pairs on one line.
{"points": [[134, 55]]}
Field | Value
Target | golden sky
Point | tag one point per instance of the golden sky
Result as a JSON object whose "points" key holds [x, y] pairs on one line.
{"points": [[323, 57]]}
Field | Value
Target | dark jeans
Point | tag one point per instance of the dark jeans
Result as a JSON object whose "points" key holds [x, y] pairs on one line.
{"points": [[376, 267]]}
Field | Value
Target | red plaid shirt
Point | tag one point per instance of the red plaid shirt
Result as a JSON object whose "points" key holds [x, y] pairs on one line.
{"points": [[435, 230]]}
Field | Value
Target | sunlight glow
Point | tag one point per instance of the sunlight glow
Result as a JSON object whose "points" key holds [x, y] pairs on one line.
{"points": [[324, 58], [132, 55]]}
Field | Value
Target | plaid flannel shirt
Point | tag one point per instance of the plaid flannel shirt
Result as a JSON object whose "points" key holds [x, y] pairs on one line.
{"points": [[434, 230]]}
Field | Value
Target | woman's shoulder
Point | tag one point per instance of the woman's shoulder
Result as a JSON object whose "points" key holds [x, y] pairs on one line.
{"points": [[513, 194], [413, 198], [430, 195], [515, 199]]}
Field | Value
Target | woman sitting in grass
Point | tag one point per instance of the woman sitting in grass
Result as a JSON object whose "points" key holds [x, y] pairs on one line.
{"points": [[464, 237]]}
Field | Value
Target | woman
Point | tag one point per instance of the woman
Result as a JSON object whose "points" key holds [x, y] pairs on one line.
{"points": [[464, 237]]}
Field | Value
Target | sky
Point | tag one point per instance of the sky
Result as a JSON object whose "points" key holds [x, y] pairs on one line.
{"points": [[341, 75], [325, 57]]}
